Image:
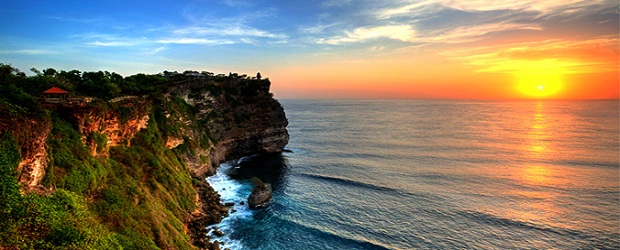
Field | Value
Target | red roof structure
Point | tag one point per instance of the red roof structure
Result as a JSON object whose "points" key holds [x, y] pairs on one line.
{"points": [[55, 90]]}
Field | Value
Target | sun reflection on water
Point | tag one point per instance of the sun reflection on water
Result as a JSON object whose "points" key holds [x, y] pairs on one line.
{"points": [[537, 135], [536, 175], [534, 202]]}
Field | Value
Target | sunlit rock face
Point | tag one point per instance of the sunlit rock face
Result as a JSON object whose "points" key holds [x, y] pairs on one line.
{"points": [[32, 136]]}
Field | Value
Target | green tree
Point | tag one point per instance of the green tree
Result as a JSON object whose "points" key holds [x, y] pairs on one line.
{"points": [[50, 72]]}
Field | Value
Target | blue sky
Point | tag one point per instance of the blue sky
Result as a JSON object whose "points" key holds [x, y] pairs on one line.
{"points": [[300, 39]]}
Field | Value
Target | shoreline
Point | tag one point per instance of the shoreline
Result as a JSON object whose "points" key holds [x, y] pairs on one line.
{"points": [[232, 196]]}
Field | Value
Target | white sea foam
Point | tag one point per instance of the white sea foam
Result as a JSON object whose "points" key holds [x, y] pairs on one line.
{"points": [[235, 191]]}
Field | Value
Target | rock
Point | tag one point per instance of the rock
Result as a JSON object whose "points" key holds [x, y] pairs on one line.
{"points": [[218, 233], [215, 245], [229, 204], [260, 196], [242, 203]]}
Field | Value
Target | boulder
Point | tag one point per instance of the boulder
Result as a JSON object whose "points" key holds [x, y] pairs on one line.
{"points": [[260, 196], [218, 233], [215, 246]]}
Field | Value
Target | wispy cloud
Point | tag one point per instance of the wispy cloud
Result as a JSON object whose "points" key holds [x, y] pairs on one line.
{"points": [[111, 43], [541, 6], [153, 51], [76, 20], [28, 52], [199, 35], [472, 33], [109, 40], [406, 33], [316, 29], [187, 40], [566, 57], [227, 30], [409, 9], [403, 33], [448, 21]]}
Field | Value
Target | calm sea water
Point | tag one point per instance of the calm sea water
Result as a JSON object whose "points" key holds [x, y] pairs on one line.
{"points": [[421, 174]]}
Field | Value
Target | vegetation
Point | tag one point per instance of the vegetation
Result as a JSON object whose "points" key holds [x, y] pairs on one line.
{"points": [[135, 195]]}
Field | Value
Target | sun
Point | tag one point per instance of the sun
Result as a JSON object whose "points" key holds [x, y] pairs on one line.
{"points": [[539, 85]]}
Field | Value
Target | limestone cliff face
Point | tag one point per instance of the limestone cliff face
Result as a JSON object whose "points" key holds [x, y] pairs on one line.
{"points": [[32, 139], [119, 125]]}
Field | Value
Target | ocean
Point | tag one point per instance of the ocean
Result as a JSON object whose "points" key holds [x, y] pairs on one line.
{"points": [[433, 174]]}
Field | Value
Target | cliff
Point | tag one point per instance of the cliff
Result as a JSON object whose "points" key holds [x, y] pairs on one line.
{"points": [[130, 172]]}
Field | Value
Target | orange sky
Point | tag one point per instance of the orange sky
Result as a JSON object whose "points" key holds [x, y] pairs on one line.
{"points": [[545, 69]]}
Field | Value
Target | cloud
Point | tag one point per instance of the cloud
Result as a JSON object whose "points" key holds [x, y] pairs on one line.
{"points": [[475, 32], [406, 33], [111, 43], [154, 50], [540, 6], [561, 56], [317, 29], [78, 20], [403, 33], [205, 35], [110, 40], [28, 52], [187, 40], [228, 30], [415, 8]]}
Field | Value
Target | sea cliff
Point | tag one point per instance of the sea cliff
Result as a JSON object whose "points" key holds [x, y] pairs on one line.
{"points": [[127, 168]]}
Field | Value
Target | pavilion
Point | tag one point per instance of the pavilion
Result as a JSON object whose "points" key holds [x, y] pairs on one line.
{"points": [[56, 95]]}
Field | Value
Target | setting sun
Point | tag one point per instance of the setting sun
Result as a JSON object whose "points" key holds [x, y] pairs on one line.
{"points": [[540, 85]]}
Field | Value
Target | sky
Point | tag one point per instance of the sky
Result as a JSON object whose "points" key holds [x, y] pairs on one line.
{"points": [[463, 49]]}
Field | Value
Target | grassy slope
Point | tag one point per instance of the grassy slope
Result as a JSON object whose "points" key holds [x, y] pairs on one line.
{"points": [[137, 198]]}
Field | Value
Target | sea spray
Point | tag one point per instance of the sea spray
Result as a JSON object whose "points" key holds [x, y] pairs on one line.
{"points": [[231, 191]]}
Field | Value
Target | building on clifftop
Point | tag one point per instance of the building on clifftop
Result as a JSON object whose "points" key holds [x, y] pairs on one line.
{"points": [[56, 95]]}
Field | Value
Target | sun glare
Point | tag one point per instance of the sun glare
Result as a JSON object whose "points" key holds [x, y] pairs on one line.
{"points": [[540, 85]]}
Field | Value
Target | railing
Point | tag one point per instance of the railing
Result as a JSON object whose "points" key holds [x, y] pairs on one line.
{"points": [[118, 99], [68, 100]]}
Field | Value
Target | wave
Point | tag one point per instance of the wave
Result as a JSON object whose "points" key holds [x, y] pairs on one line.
{"points": [[596, 164], [358, 184], [332, 239], [589, 239], [497, 221], [348, 182]]}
